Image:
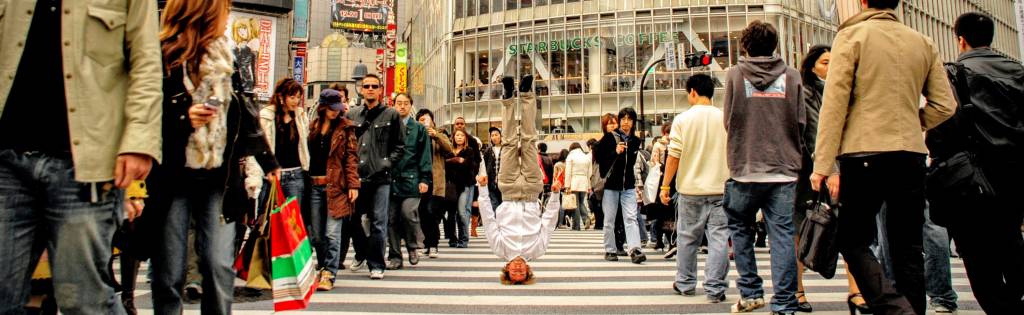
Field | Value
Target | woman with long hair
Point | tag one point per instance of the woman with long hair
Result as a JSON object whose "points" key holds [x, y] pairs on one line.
{"points": [[461, 171], [617, 154], [334, 176], [577, 181], [209, 127]]}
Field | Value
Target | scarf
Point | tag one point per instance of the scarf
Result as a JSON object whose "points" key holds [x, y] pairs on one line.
{"points": [[205, 149]]}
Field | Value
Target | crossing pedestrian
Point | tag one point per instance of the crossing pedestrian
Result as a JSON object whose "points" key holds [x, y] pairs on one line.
{"points": [[381, 144], [411, 178], [871, 121], [432, 204], [209, 130], [763, 113], [617, 153], [577, 172], [461, 171]]}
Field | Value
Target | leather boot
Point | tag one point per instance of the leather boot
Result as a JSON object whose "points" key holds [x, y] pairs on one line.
{"points": [[473, 223]]}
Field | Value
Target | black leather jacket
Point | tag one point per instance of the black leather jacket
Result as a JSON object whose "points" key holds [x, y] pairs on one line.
{"points": [[245, 138], [992, 122], [380, 142]]}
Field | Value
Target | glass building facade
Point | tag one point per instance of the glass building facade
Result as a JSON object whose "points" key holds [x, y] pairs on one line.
{"points": [[588, 56]]}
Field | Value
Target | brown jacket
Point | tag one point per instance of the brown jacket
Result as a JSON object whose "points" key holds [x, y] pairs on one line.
{"points": [[442, 148], [879, 70], [342, 169]]}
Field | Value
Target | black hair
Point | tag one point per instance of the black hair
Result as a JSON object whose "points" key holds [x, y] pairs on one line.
{"points": [[810, 59], [542, 147], [760, 39], [375, 76], [564, 155], [424, 111], [493, 129], [883, 4], [976, 28], [702, 83], [406, 96], [631, 113]]}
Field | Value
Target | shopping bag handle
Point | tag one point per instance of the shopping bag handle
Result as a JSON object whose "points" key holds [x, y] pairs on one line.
{"points": [[279, 193]]}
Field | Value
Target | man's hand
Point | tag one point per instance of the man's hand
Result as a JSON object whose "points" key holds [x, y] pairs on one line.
{"points": [[621, 147], [816, 180], [353, 194], [423, 188], [131, 166], [665, 197], [133, 209], [432, 132], [833, 187], [200, 115]]}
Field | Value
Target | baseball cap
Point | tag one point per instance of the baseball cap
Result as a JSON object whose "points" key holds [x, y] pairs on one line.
{"points": [[332, 98]]}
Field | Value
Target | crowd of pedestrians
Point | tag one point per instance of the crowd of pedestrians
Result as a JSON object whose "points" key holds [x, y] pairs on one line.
{"points": [[875, 123]]}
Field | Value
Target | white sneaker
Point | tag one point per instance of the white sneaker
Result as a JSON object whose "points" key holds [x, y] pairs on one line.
{"points": [[376, 274], [356, 265], [747, 305], [433, 253]]}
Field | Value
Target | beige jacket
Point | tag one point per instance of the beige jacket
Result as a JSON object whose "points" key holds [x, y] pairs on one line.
{"points": [[879, 70], [578, 167], [253, 172], [112, 77]]}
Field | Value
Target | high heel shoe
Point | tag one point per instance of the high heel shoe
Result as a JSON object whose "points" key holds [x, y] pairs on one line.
{"points": [[802, 304], [857, 308]]}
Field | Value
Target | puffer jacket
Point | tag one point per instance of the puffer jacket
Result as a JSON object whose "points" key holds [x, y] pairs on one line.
{"points": [[342, 171]]}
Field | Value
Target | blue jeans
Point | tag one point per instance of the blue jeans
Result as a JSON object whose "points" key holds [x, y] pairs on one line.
{"points": [[581, 210], [373, 200], [332, 257], [697, 216], [612, 202], [938, 277], [318, 223], [742, 200], [641, 223], [465, 208], [200, 200], [42, 206]]}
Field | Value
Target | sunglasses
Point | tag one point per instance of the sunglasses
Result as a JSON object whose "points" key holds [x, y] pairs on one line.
{"points": [[371, 86]]}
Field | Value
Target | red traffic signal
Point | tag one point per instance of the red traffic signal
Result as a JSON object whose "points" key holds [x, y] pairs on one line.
{"points": [[698, 59]]}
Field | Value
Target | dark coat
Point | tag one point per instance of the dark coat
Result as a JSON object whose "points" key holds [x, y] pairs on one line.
{"points": [[491, 164], [245, 138], [342, 169], [622, 176], [380, 145], [415, 166], [463, 174]]}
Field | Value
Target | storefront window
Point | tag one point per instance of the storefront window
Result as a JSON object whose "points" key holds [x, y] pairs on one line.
{"points": [[484, 7], [511, 4], [720, 41]]}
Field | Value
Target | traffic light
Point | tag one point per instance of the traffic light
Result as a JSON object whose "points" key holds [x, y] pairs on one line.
{"points": [[698, 59]]}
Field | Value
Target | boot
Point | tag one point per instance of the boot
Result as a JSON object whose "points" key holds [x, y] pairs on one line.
{"points": [[473, 223]]}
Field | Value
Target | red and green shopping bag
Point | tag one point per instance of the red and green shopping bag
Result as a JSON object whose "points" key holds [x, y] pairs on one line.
{"points": [[292, 261]]}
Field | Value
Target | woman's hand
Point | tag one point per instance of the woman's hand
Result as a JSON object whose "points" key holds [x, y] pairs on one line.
{"points": [[200, 115], [353, 194]]}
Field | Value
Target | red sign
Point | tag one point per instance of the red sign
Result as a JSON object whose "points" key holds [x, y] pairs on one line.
{"points": [[264, 62]]}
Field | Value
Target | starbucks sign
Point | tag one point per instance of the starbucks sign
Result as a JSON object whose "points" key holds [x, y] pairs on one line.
{"points": [[576, 43]]}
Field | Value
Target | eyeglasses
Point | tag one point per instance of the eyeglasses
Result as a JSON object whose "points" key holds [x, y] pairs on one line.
{"points": [[371, 86]]}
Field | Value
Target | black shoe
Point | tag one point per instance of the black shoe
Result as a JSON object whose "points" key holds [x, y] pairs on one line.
{"points": [[414, 257], [690, 292], [611, 257], [395, 265], [857, 308], [713, 299], [637, 256], [526, 84], [621, 253], [783, 313], [129, 305], [509, 85], [803, 306]]}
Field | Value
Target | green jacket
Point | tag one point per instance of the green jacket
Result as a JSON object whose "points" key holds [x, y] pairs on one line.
{"points": [[415, 166], [112, 77]]}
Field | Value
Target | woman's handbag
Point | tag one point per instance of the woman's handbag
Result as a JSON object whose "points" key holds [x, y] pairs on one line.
{"points": [[569, 201], [818, 250]]}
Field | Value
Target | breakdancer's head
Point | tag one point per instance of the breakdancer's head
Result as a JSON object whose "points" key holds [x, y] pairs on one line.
{"points": [[517, 271]]}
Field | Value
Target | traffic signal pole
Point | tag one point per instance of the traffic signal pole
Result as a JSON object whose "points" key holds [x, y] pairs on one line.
{"points": [[643, 85]]}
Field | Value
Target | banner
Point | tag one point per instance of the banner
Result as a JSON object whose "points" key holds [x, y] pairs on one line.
{"points": [[1020, 27], [360, 15], [401, 68], [253, 39], [300, 21]]}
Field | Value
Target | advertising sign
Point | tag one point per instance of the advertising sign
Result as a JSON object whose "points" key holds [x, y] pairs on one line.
{"points": [[401, 68], [253, 40], [360, 15], [300, 21], [298, 69], [1020, 26]]}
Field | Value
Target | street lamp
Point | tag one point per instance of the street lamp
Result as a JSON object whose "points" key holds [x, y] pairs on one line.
{"points": [[358, 73]]}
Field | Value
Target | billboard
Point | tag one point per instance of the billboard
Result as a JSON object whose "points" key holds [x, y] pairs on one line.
{"points": [[300, 20], [360, 15], [253, 40]]}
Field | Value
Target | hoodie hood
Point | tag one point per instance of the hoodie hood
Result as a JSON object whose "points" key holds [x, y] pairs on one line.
{"points": [[762, 72]]}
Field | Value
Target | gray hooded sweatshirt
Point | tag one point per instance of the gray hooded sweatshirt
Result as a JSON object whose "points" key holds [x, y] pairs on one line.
{"points": [[764, 119]]}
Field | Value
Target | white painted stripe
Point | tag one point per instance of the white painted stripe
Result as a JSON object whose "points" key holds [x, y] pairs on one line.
{"points": [[567, 300], [590, 286], [561, 274]]}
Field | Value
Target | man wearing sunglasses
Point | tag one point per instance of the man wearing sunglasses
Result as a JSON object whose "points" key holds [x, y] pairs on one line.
{"points": [[380, 145]]}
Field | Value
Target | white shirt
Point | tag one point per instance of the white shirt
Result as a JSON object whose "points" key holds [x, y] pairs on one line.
{"points": [[518, 228]]}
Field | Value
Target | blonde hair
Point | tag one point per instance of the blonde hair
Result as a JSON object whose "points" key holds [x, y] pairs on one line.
{"points": [[188, 28], [249, 24]]}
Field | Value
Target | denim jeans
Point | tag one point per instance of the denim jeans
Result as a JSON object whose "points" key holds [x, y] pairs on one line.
{"points": [[742, 200], [613, 201], [198, 200], [373, 199], [42, 206], [581, 210], [318, 223], [332, 257], [465, 208], [404, 220], [938, 277], [697, 216], [641, 223]]}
